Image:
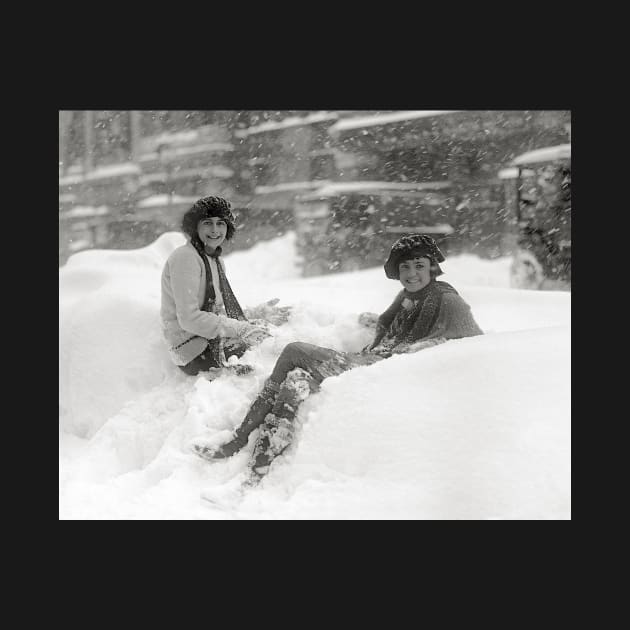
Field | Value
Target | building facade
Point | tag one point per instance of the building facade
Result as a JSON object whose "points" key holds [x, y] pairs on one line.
{"points": [[348, 182]]}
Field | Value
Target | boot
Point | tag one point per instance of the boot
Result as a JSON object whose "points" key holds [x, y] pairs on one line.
{"points": [[275, 437], [255, 416], [278, 429], [297, 386]]}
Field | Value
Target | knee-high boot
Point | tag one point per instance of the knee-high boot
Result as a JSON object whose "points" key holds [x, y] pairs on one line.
{"points": [[255, 416], [278, 428]]}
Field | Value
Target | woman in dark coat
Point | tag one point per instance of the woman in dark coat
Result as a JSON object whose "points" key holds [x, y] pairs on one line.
{"points": [[425, 313]]}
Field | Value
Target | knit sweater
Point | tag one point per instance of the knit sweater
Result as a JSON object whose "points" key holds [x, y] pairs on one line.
{"points": [[185, 326], [424, 318]]}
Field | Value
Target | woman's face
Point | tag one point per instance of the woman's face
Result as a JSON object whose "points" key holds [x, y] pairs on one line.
{"points": [[212, 232], [415, 274]]}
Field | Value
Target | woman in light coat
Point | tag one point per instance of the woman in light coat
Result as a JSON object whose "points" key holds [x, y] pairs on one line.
{"points": [[202, 322]]}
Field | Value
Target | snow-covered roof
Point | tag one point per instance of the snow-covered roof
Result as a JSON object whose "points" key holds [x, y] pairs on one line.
{"points": [[292, 121], [217, 171], [340, 188], [438, 228], [179, 151], [102, 172], [289, 186], [84, 211], [170, 137], [67, 180], [163, 200], [126, 168], [204, 133], [383, 119], [545, 154], [512, 173]]}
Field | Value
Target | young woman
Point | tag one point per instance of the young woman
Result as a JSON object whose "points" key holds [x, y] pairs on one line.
{"points": [[425, 313], [202, 321]]}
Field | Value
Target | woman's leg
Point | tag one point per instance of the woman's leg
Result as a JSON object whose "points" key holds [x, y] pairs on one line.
{"points": [[295, 355], [278, 428], [313, 359], [315, 363], [201, 363], [206, 360], [299, 370]]}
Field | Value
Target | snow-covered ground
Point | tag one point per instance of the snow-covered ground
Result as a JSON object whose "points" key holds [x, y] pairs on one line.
{"points": [[476, 428]]}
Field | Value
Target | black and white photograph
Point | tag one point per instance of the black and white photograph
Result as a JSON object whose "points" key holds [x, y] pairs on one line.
{"points": [[315, 314]]}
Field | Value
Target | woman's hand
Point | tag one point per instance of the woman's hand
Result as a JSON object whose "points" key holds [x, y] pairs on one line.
{"points": [[253, 335], [383, 350], [276, 315], [369, 347], [377, 347], [407, 348], [231, 343]]}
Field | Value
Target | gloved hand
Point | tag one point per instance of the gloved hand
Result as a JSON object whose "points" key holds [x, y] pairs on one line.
{"points": [[237, 368], [377, 346], [383, 350], [232, 343], [268, 311], [240, 368], [253, 335]]}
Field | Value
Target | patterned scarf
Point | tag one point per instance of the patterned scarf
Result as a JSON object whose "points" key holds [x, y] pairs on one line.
{"points": [[415, 323], [232, 307]]}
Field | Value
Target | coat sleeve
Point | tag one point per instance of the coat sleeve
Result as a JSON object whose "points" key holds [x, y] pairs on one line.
{"points": [[385, 319], [185, 276], [454, 320]]}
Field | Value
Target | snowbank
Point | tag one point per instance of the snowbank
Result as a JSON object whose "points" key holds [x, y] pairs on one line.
{"points": [[475, 428], [110, 345]]}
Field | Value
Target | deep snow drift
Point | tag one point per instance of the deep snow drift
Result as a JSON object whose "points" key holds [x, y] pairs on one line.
{"points": [[475, 428]]}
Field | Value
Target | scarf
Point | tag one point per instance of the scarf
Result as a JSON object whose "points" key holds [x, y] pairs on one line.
{"points": [[232, 307], [414, 323]]}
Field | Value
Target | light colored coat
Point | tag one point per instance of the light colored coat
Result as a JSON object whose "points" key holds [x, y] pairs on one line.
{"points": [[186, 328]]}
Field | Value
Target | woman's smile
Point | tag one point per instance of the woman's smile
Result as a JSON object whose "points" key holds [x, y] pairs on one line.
{"points": [[415, 274], [212, 231]]}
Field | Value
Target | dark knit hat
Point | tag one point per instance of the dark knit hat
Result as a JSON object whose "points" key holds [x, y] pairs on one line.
{"points": [[413, 246], [208, 207]]}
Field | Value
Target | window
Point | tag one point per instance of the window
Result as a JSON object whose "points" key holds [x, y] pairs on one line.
{"points": [[322, 166]]}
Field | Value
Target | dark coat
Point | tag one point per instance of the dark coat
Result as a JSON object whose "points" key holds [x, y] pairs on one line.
{"points": [[436, 312]]}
